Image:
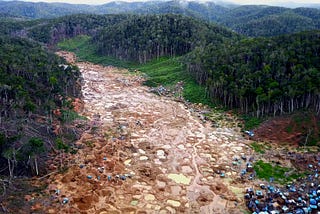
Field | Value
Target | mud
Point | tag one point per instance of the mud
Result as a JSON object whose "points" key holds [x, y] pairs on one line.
{"points": [[145, 153]]}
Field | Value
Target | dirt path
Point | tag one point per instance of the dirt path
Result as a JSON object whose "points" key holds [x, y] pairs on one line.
{"points": [[147, 154]]}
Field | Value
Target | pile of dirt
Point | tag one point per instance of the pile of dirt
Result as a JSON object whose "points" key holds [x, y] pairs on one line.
{"points": [[293, 129], [275, 130]]}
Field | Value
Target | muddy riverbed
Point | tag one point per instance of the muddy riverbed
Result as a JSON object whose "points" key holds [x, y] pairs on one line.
{"points": [[146, 153]]}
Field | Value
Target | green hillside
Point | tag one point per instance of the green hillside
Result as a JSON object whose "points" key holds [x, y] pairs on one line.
{"points": [[141, 38], [164, 71], [263, 75], [257, 21], [249, 20]]}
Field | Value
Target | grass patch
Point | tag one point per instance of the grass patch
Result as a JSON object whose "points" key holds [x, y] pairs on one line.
{"points": [[163, 71], [89, 143], [251, 122], [289, 129], [302, 117], [169, 71], [245, 212], [68, 116], [280, 174], [86, 51], [259, 147]]}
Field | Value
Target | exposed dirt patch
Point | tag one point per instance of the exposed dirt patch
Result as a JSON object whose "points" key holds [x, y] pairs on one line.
{"points": [[145, 153], [275, 130], [292, 130]]}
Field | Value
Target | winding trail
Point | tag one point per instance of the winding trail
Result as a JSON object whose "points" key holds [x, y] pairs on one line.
{"points": [[170, 158]]}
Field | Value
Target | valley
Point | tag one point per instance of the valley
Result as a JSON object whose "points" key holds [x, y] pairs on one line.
{"points": [[146, 153], [159, 107]]}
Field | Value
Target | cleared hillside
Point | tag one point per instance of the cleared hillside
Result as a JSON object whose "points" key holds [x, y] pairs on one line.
{"points": [[34, 84]]}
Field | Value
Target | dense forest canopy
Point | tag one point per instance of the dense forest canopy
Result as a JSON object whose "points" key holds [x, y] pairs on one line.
{"points": [[264, 75], [142, 38], [270, 21], [33, 10], [275, 75], [249, 20], [55, 30]]}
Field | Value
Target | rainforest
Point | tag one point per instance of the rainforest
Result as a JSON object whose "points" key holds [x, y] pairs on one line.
{"points": [[159, 107]]}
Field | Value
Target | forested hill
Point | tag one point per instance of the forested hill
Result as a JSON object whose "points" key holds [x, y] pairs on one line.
{"points": [[138, 35], [248, 20], [33, 83], [49, 10], [209, 11], [141, 38], [262, 75], [33, 10], [270, 21], [55, 30]]}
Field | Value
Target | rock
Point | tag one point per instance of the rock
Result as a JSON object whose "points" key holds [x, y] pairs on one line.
{"points": [[181, 146], [52, 211], [143, 158], [180, 178], [127, 162], [134, 202], [90, 158], [161, 154], [149, 197], [106, 192], [174, 203], [161, 185], [141, 151], [171, 210], [68, 177], [157, 207]]}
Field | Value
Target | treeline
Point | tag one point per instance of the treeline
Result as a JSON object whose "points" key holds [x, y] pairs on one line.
{"points": [[33, 82], [263, 75], [33, 10], [249, 20], [255, 21], [132, 37], [10, 26], [276, 25], [55, 30], [141, 38]]}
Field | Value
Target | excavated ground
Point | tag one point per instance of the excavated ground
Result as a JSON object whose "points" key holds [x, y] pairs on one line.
{"points": [[146, 153]]}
